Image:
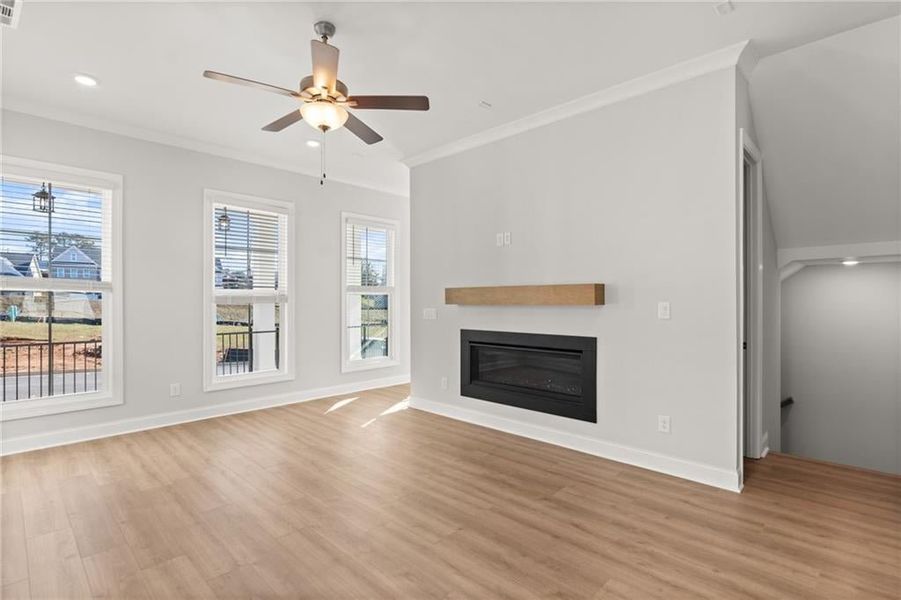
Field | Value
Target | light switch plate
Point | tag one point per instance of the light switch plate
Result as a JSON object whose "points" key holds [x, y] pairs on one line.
{"points": [[174, 390], [663, 423], [500, 239], [506, 238], [429, 314], [663, 310]]}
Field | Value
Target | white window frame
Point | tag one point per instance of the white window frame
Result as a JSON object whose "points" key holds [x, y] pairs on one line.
{"points": [[392, 360], [211, 296], [111, 383]]}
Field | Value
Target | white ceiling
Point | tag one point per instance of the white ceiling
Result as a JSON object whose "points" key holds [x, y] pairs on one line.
{"points": [[827, 120], [522, 58]]}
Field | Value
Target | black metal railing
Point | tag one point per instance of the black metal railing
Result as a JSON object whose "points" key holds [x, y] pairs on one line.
{"points": [[235, 350], [40, 369], [373, 345]]}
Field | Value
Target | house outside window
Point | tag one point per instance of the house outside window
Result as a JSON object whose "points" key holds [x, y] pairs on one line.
{"points": [[60, 326], [248, 290], [368, 294]]}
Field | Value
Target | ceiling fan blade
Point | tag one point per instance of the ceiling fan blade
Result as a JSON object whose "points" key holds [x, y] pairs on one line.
{"points": [[289, 119], [325, 65], [362, 130], [249, 83], [390, 102]]}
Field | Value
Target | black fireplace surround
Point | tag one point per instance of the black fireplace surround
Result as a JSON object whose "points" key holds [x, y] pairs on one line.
{"points": [[554, 374]]}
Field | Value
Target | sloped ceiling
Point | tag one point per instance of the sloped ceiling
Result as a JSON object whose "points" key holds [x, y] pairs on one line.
{"points": [[827, 121]]}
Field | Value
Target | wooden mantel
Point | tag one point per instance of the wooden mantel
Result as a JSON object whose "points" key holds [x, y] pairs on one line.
{"points": [[570, 294]]}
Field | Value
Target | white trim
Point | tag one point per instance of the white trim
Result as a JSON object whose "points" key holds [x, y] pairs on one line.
{"points": [[102, 430], [726, 479], [113, 323], [789, 270], [886, 251], [393, 358], [287, 274], [54, 405], [689, 69], [752, 405], [44, 111], [765, 444]]}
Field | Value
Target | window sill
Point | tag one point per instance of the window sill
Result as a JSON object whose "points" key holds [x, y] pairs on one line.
{"points": [[369, 364], [41, 407], [239, 381]]}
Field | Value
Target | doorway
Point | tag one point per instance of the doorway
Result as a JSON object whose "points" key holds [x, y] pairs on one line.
{"points": [[751, 300]]}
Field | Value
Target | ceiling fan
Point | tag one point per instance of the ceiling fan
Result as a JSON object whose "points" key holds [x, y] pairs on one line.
{"points": [[323, 98]]}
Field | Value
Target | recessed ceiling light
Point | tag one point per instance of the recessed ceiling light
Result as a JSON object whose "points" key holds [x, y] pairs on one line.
{"points": [[724, 8], [850, 262], [312, 143], [85, 80]]}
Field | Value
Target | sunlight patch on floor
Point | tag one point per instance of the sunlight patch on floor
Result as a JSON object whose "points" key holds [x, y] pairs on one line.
{"points": [[397, 407], [340, 404]]}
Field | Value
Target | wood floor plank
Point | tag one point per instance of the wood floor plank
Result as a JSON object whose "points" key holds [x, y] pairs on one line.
{"points": [[115, 574], [55, 568], [13, 554], [16, 591], [177, 578], [359, 497]]}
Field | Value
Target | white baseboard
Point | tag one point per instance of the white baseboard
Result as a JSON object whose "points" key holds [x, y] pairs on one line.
{"points": [[101, 430], [726, 479]]}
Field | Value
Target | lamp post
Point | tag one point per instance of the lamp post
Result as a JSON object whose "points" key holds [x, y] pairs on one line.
{"points": [[43, 201], [223, 224]]}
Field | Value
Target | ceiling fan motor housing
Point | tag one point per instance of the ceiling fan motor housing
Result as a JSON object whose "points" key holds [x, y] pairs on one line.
{"points": [[308, 90], [324, 29]]}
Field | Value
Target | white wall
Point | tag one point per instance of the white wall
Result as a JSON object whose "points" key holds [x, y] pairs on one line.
{"points": [[772, 333], [163, 245], [828, 120], [841, 359], [639, 195]]}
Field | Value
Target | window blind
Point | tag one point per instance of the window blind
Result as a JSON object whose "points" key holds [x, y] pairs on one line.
{"points": [[249, 249], [66, 237], [366, 253]]}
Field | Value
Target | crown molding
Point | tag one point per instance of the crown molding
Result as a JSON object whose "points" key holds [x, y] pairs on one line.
{"points": [[15, 104], [793, 260], [866, 252], [683, 71]]}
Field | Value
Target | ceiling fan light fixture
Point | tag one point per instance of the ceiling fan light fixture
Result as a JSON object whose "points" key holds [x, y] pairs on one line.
{"points": [[324, 116]]}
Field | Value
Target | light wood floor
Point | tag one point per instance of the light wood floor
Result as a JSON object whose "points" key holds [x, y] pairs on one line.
{"points": [[347, 499]]}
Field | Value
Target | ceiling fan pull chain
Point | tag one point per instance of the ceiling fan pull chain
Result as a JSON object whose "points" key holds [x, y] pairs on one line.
{"points": [[322, 158]]}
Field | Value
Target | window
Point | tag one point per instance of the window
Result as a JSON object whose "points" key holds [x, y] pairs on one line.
{"points": [[368, 295], [247, 291], [60, 331]]}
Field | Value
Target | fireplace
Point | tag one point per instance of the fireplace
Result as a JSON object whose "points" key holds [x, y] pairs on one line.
{"points": [[554, 374]]}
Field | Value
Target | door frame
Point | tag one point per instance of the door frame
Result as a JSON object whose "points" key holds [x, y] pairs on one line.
{"points": [[750, 321]]}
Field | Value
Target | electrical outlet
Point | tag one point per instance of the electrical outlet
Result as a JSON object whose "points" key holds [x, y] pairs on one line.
{"points": [[663, 423], [499, 239], [663, 310], [506, 238], [174, 390], [444, 383], [429, 314]]}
